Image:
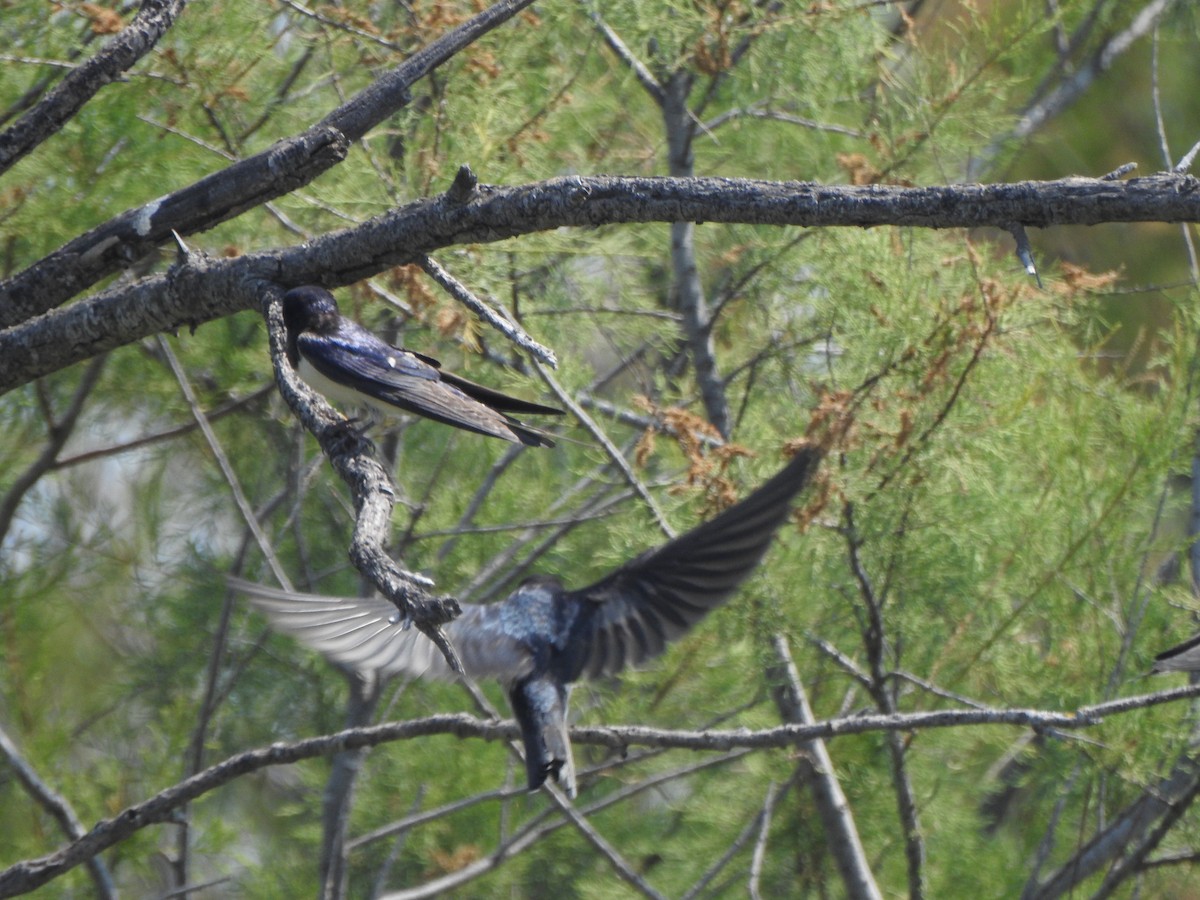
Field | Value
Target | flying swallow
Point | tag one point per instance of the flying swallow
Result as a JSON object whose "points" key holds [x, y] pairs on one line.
{"points": [[544, 637], [342, 360], [1183, 657]]}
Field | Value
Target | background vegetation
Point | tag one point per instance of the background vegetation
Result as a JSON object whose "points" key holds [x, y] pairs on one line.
{"points": [[1002, 520]]}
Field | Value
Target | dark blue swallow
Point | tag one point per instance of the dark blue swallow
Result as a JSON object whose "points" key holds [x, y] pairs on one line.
{"points": [[1183, 657], [544, 637], [345, 362]]}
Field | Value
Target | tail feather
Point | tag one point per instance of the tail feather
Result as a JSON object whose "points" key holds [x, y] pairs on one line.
{"points": [[540, 706], [497, 400]]}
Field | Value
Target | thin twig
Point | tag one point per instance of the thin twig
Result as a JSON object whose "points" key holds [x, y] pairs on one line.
{"points": [[874, 641], [615, 456], [57, 807], [760, 844], [734, 848], [57, 433], [28, 874], [645, 77], [235, 487], [497, 319], [623, 869], [165, 435], [759, 111]]}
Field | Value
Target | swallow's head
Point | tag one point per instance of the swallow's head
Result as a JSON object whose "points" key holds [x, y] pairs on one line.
{"points": [[309, 308]]}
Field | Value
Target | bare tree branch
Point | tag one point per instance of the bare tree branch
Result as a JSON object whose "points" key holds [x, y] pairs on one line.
{"points": [[1128, 837], [30, 874], [477, 305], [209, 289], [603, 847], [817, 768], [26, 875], [687, 291], [166, 434], [58, 808], [210, 698], [615, 456], [503, 794], [223, 463], [69, 96], [1064, 87], [278, 170], [57, 432], [735, 847], [763, 110], [644, 76], [337, 798], [760, 845], [1071, 87], [881, 688]]}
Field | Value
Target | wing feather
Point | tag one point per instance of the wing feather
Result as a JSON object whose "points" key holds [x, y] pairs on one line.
{"points": [[395, 377], [629, 616], [358, 632], [1183, 657]]}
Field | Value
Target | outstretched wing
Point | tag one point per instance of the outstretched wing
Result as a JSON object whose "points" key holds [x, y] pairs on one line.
{"points": [[358, 633], [630, 616]]}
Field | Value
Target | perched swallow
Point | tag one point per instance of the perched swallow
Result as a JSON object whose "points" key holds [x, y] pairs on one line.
{"points": [[1183, 657], [543, 636], [342, 360]]}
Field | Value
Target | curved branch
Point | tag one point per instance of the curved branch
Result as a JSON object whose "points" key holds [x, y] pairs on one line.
{"points": [[210, 289], [27, 875], [353, 458], [57, 433]]}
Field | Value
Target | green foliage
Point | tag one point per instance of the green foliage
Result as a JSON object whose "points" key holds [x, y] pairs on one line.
{"points": [[1005, 464]]}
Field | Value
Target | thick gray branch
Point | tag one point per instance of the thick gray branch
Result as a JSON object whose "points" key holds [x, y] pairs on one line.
{"points": [[1122, 844], [686, 286], [27, 875], [76, 89], [251, 182], [218, 288], [121, 241], [832, 806]]}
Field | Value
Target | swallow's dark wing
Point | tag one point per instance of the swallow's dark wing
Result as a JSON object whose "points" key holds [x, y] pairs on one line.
{"points": [[358, 633], [354, 358], [630, 616], [1183, 657], [489, 396], [496, 400]]}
